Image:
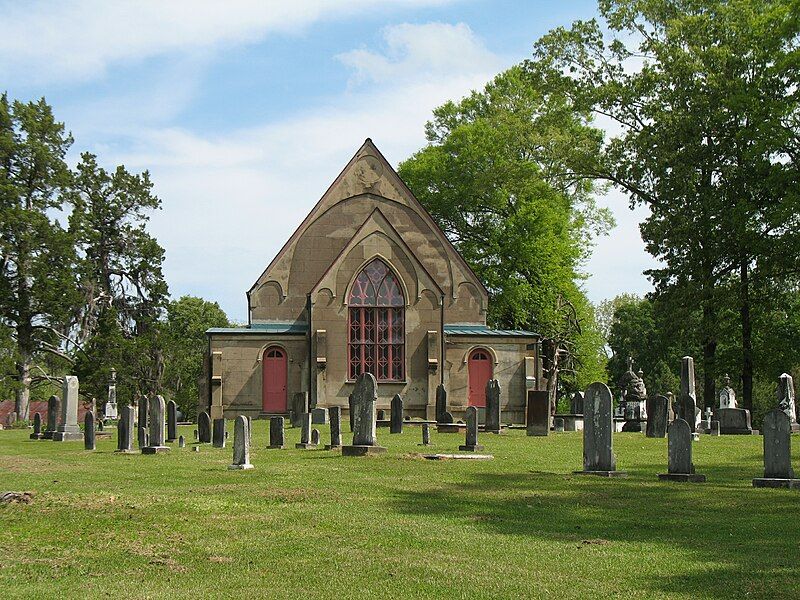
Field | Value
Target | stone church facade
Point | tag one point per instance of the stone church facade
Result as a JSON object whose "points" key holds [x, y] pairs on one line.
{"points": [[367, 283]]}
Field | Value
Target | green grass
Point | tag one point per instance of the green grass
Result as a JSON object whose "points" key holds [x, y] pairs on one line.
{"points": [[313, 524]]}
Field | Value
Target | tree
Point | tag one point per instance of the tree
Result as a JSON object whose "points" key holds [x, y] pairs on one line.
{"points": [[494, 175], [188, 318], [120, 278], [705, 95], [36, 253]]}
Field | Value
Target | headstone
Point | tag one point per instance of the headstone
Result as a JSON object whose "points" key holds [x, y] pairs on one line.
{"points": [[679, 451], [37, 427], [241, 444], [88, 431], [204, 428], [218, 433], [492, 422], [315, 437], [397, 415], [707, 420], [365, 397], [558, 424], [181, 442], [305, 433], [632, 405], [319, 416], [351, 411], [442, 416], [125, 427], [276, 433], [100, 425], [537, 415], [786, 400], [299, 408], [155, 418], [778, 472], [250, 430], [714, 428], [426, 435], [195, 435], [576, 403], [657, 416], [110, 409], [144, 438], [172, 421], [335, 417], [381, 415], [68, 428], [53, 411], [143, 412], [735, 421], [727, 397], [471, 442], [598, 452], [687, 402]]}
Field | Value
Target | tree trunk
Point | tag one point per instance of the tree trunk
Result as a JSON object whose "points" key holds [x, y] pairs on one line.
{"points": [[747, 337], [709, 356], [23, 391]]}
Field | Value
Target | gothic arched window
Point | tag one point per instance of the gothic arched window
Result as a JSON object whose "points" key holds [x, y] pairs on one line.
{"points": [[376, 330]]}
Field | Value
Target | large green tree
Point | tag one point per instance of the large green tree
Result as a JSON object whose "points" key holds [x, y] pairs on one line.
{"points": [[704, 94], [37, 259], [495, 176]]}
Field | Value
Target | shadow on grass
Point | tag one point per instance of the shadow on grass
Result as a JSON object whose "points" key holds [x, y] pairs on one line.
{"points": [[750, 535]]}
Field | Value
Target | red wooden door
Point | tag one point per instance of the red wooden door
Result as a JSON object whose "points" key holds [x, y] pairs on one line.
{"points": [[274, 380], [479, 371]]}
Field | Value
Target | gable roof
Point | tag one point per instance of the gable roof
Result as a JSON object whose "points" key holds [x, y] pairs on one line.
{"points": [[368, 147]]}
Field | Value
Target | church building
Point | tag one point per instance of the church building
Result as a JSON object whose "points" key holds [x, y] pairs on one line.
{"points": [[367, 283]]}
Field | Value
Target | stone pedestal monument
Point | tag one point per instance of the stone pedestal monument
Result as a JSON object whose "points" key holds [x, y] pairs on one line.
{"points": [[633, 406], [110, 409], [786, 400], [732, 420], [68, 429]]}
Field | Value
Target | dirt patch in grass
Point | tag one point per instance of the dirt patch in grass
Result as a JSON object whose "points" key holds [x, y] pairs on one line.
{"points": [[28, 465], [220, 559]]}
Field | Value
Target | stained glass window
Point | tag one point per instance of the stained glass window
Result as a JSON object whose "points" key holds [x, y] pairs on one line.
{"points": [[376, 331]]}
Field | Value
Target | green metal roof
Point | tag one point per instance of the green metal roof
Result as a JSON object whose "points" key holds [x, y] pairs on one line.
{"points": [[262, 328], [487, 331]]}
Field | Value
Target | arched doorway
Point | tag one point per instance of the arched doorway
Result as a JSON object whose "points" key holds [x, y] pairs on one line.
{"points": [[273, 380], [479, 371]]}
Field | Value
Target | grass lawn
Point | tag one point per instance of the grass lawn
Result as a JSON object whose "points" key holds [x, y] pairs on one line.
{"points": [[312, 524]]}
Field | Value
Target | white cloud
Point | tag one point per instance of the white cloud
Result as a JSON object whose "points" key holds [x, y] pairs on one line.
{"points": [[66, 41]]}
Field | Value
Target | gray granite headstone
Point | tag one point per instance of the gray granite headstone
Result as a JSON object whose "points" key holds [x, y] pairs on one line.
{"points": [[471, 441], [786, 399], [144, 410], [276, 440], [777, 445], [426, 435], [657, 416], [335, 417], [558, 424], [679, 454], [68, 428], [687, 402], [315, 437], [204, 428], [181, 442], [365, 398], [576, 403], [88, 431], [125, 429], [218, 433], [305, 432], [53, 410], [492, 422], [37, 427], [442, 415], [319, 416], [598, 426], [299, 408], [396, 425], [172, 421], [156, 417], [352, 413], [241, 444]]}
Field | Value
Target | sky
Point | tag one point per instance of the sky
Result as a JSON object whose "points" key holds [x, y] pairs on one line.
{"points": [[245, 111]]}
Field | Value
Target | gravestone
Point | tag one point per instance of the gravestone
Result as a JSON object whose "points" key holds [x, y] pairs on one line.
{"points": [[576, 404], [53, 410], [657, 416], [471, 442], [381, 415], [155, 417], [714, 428], [319, 416], [241, 444], [315, 437], [633, 403], [598, 425], [218, 432], [778, 472], [727, 397], [110, 408], [181, 442], [735, 421], [299, 408], [68, 429], [125, 430], [351, 411], [276, 440], [172, 421], [537, 415], [88, 431], [426, 435], [143, 412], [492, 421], [37, 427], [687, 402], [335, 417], [204, 428], [305, 433], [396, 425], [365, 397], [679, 454], [558, 424], [195, 435], [786, 399], [442, 416]]}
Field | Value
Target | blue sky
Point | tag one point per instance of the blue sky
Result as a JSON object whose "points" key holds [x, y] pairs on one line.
{"points": [[244, 112]]}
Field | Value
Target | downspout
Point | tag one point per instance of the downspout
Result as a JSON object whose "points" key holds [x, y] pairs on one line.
{"points": [[441, 361], [312, 392]]}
